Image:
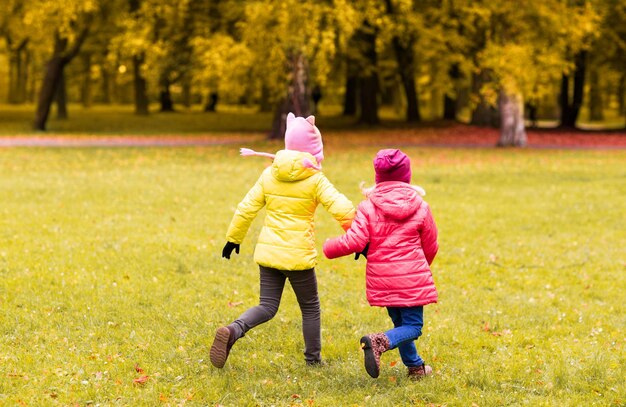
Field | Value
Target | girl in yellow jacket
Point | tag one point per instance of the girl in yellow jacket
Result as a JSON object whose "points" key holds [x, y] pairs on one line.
{"points": [[290, 190]]}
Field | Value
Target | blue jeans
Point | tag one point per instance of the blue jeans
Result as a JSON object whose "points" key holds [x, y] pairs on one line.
{"points": [[408, 323]]}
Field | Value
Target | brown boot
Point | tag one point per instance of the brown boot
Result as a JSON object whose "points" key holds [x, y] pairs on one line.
{"points": [[373, 346], [224, 340], [419, 372]]}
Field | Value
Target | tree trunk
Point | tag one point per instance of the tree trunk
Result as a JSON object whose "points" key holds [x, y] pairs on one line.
{"points": [[449, 107], [165, 97], [18, 71], [405, 57], [484, 114], [31, 79], [85, 92], [24, 77], [12, 94], [107, 86], [60, 98], [596, 107], [579, 84], [368, 78], [531, 108], [265, 104], [186, 92], [564, 100], [450, 101], [141, 97], [435, 101], [54, 70], [279, 123], [350, 97], [297, 100], [621, 95], [368, 92], [211, 103], [512, 130], [570, 111]]}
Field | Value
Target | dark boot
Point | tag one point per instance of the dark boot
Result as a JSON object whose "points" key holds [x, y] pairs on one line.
{"points": [[224, 340], [419, 372], [373, 346]]}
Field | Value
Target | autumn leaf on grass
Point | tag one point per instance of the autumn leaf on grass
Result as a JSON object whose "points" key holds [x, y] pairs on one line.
{"points": [[141, 379], [235, 304], [486, 327], [393, 363], [138, 369]]}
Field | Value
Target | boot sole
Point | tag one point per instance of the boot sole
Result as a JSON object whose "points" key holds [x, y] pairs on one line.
{"points": [[372, 368], [219, 349]]}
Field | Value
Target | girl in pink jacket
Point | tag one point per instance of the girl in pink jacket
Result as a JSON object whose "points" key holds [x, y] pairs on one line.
{"points": [[395, 230]]}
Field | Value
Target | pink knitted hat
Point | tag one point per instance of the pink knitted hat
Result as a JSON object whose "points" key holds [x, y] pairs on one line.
{"points": [[302, 135], [392, 165]]}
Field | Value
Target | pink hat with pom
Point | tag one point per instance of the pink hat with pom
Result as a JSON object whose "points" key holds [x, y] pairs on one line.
{"points": [[392, 165], [301, 135]]}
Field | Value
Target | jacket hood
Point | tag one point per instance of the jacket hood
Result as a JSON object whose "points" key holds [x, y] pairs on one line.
{"points": [[291, 165], [395, 199]]}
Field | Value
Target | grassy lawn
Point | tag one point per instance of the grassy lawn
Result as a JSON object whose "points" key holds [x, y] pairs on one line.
{"points": [[120, 120], [110, 270]]}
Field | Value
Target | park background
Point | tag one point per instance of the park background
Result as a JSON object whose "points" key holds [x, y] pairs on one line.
{"points": [[120, 128]]}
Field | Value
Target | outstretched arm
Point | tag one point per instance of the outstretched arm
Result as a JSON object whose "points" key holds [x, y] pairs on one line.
{"points": [[335, 202], [245, 213], [355, 239]]}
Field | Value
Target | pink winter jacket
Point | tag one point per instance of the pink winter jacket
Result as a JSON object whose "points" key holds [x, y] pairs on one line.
{"points": [[402, 235]]}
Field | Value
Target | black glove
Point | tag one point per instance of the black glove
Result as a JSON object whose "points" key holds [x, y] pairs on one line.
{"points": [[228, 249], [362, 252]]}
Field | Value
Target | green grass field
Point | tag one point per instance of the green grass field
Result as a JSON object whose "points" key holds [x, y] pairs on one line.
{"points": [[110, 270], [119, 120]]}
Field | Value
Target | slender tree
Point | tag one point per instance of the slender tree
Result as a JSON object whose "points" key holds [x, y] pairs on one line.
{"points": [[68, 24], [17, 38], [291, 42], [406, 21]]}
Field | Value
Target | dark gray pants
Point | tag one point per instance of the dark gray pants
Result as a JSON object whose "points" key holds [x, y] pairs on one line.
{"points": [[304, 284]]}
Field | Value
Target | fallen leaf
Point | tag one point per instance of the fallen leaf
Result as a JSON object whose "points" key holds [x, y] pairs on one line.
{"points": [[138, 369], [141, 379], [393, 363], [234, 304]]}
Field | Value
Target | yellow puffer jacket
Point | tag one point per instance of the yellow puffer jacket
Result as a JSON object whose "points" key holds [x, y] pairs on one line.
{"points": [[291, 193]]}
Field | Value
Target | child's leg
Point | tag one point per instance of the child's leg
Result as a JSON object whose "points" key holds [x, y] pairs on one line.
{"points": [[408, 323], [272, 284], [304, 284]]}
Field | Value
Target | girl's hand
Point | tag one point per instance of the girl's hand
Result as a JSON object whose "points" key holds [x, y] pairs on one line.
{"points": [[362, 252], [228, 249]]}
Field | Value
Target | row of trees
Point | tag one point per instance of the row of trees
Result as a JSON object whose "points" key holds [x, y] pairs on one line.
{"points": [[495, 57]]}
